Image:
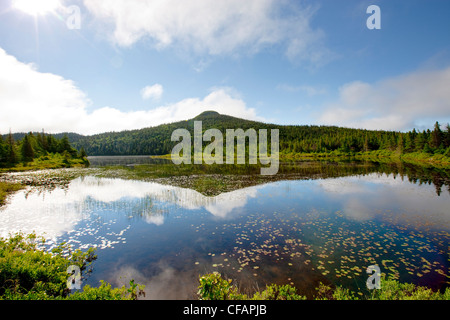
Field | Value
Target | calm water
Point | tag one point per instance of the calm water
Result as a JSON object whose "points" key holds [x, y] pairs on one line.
{"points": [[99, 161], [299, 231]]}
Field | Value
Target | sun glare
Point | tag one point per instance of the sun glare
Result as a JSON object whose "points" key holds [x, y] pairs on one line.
{"points": [[35, 7]]}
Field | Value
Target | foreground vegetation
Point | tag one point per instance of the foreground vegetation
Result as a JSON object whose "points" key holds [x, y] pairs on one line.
{"points": [[214, 287], [27, 272]]}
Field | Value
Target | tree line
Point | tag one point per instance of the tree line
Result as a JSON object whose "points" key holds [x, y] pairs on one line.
{"points": [[293, 139], [34, 146], [321, 139]]}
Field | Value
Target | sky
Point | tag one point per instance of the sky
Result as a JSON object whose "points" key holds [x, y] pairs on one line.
{"points": [[93, 66]]}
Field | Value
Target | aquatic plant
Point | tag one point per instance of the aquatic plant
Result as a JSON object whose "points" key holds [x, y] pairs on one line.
{"points": [[7, 188]]}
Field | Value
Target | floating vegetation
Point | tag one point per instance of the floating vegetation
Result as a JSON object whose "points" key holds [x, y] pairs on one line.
{"points": [[332, 248]]}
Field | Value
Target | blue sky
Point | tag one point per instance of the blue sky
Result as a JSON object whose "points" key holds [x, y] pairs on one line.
{"points": [[139, 63]]}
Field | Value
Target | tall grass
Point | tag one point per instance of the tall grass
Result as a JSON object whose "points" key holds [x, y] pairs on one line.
{"points": [[7, 188]]}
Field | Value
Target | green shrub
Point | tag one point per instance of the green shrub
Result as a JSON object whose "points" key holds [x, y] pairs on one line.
{"points": [[278, 292], [214, 287], [28, 272], [394, 290], [106, 292]]}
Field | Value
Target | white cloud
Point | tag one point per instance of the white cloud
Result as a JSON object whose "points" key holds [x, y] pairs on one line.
{"points": [[399, 103], [214, 27], [32, 101], [220, 100], [154, 92]]}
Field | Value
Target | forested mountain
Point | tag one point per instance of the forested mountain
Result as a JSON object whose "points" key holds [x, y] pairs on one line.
{"points": [[157, 140], [293, 139]]}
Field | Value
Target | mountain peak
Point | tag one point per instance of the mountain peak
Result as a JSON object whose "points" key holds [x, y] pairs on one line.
{"points": [[207, 114]]}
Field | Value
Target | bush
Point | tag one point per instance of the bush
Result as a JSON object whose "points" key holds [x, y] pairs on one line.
{"points": [[278, 292], [394, 290], [214, 287], [27, 272], [106, 292]]}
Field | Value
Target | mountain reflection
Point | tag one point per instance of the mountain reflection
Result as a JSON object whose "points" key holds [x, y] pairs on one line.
{"points": [[58, 211], [357, 190]]}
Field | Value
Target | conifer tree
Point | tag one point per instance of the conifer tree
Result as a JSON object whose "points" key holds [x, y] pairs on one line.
{"points": [[447, 136], [11, 155], [82, 153], [400, 144], [366, 144], [420, 142], [27, 149], [427, 149], [2, 150], [52, 144], [64, 146], [42, 141], [409, 142], [436, 136]]}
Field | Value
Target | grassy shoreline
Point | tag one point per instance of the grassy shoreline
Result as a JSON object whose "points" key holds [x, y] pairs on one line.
{"points": [[54, 162], [384, 156], [214, 179], [48, 162], [7, 188]]}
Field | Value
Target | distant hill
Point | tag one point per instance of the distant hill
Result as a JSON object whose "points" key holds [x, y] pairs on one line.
{"points": [[157, 140], [293, 139], [73, 137]]}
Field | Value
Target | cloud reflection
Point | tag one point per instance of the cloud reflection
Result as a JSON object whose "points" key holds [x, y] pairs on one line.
{"points": [[57, 212], [363, 198]]}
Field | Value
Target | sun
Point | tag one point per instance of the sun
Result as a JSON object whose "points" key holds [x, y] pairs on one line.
{"points": [[36, 7]]}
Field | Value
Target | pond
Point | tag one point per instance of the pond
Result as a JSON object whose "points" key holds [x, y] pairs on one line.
{"points": [[292, 231]]}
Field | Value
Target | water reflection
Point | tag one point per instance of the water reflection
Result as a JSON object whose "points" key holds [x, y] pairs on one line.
{"points": [[299, 231], [58, 211], [364, 199], [292, 170], [99, 161]]}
